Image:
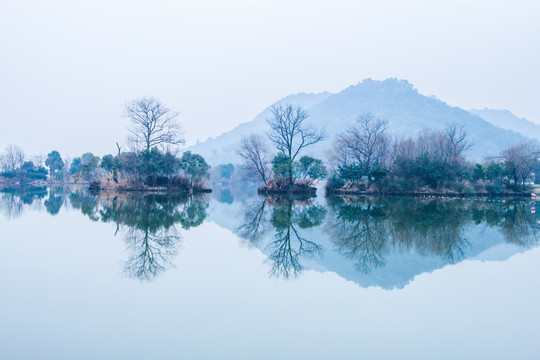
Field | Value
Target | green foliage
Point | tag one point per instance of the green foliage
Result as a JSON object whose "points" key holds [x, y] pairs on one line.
{"points": [[308, 167], [89, 166], [170, 165], [479, 172], [53, 203], [351, 173], [194, 166], [494, 171], [378, 173], [108, 163], [27, 172], [429, 170], [151, 165], [55, 163], [282, 166], [32, 172], [76, 166], [335, 182]]}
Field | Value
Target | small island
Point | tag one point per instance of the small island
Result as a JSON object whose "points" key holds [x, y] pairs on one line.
{"points": [[365, 159], [152, 162]]}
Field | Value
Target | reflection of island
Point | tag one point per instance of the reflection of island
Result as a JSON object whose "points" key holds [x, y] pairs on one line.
{"points": [[13, 200], [287, 217], [148, 222], [383, 241], [402, 237], [365, 230]]}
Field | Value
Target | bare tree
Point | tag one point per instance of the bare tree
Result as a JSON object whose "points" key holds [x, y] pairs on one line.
{"points": [[406, 149], [520, 161], [256, 222], [152, 124], [456, 136], [256, 156], [38, 160], [366, 143], [289, 133], [12, 159]]}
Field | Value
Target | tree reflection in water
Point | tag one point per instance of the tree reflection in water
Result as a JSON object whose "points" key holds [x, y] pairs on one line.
{"points": [[359, 231], [288, 216], [14, 199], [149, 224], [365, 229]]}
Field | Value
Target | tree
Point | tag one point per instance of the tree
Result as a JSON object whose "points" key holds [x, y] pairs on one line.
{"points": [[170, 164], [308, 167], [76, 166], [366, 143], [12, 159], [456, 136], [289, 133], [479, 172], [90, 165], [256, 156], [495, 171], [194, 166], [55, 163], [152, 165], [520, 161], [108, 163], [282, 166], [152, 124]]}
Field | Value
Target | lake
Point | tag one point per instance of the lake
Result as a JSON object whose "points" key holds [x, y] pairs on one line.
{"points": [[232, 275]]}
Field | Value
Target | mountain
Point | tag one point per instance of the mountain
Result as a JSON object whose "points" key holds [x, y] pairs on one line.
{"points": [[506, 120], [406, 110]]}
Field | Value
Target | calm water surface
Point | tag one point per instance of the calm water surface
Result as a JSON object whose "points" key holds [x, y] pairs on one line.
{"points": [[236, 276]]}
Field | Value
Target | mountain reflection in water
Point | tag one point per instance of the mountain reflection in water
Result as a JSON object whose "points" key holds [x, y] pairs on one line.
{"points": [[367, 231], [295, 234]]}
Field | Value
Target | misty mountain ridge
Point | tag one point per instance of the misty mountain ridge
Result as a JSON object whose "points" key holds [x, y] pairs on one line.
{"points": [[397, 101], [505, 119]]}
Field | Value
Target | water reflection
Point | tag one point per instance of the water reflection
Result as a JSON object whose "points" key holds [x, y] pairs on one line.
{"points": [[366, 230], [148, 223], [373, 241], [288, 217], [13, 200]]}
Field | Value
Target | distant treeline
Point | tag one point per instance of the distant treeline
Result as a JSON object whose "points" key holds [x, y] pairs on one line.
{"points": [[127, 170]]}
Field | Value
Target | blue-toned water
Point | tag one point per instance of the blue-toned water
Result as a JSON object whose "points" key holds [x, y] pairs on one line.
{"points": [[236, 276]]}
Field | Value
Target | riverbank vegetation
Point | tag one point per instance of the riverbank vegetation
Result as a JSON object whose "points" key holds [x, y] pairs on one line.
{"points": [[363, 159], [153, 160], [366, 159], [286, 171]]}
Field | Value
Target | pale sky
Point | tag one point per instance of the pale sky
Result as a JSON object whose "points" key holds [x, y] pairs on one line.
{"points": [[67, 67]]}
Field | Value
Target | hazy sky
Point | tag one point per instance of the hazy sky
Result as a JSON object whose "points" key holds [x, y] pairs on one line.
{"points": [[67, 67]]}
